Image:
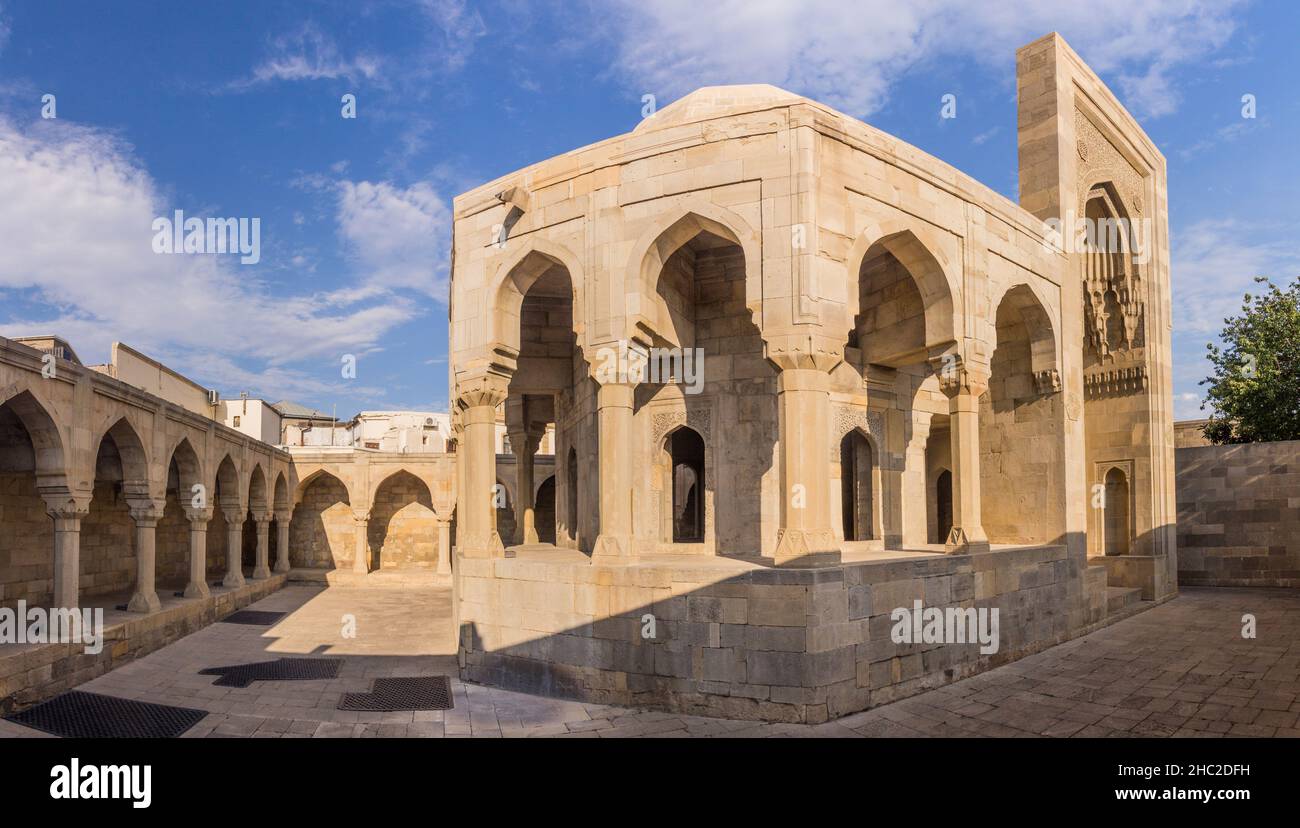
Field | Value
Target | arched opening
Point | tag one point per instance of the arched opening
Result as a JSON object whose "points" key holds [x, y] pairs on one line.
{"points": [[172, 537], [280, 516], [686, 459], [698, 269], [403, 526], [537, 302], [1020, 445], [257, 502], [1117, 528], [545, 511], [857, 468], [942, 507], [108, 554], [571, 495], [225, 499], [26, 531], [322, 533]]}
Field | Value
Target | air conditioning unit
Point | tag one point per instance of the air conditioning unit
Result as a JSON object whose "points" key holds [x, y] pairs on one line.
{"points": [[214, 397], [428, 421]]}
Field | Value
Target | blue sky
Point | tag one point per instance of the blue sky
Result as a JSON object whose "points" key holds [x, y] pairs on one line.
{"points": [[233, 109]]}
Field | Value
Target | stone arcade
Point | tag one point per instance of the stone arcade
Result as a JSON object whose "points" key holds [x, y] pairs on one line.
{"points": [[911, 392]]}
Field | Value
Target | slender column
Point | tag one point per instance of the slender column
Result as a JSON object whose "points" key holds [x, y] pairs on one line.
{"points": [[145, 597], [361, 559], [524, 446], [917, 499], [262, 569], [198, 585], [614, 424], [234, 547], [803, 403], [444, 547], [282, 543], [963, 384], [478, 399], [67, 513]]}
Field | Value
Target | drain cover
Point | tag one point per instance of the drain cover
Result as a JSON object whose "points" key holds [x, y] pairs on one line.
{"points": [[80, 715], [257, 618], [283, 669], [391, 694]]}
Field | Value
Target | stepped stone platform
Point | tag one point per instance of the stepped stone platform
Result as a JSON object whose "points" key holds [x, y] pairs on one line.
{"points": [[737, 638]]}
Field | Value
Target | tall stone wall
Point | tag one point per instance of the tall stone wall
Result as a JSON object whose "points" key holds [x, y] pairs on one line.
{"points": [[1239, 515]]}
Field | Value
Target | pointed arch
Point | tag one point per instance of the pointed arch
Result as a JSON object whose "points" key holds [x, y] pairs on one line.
{"points": [[516, 274], [47, 439], [280, 495], [928, 260], [133, 453], [1023, 302], [257, 489], [647, 314]]}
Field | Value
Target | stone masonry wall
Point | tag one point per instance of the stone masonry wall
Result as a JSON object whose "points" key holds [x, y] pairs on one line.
{"points": [[1239, 515], [777, 644], [26, 542]]}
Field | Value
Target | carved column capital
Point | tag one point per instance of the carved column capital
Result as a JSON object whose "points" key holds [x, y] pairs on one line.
{"points": [[957, 376], [487, 389], [809, 349]]}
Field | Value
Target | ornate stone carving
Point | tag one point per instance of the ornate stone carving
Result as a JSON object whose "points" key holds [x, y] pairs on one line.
{"points": [[849, 417], [697, 417], [1048, 381], [1116, 379]]}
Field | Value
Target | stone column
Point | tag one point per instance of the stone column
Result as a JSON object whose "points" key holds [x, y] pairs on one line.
{"points": [[234, 547], [145, 597], [361, 559], [262, 569], [963, 383], [444, 547], [198, 585], [478, 398], [916, 496], [803, 403], [523, 445], [614, 424], [282, 543], [67, 513]]}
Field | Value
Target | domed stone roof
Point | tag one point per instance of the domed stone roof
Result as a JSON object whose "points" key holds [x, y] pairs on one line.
{"points": [[718, 101]]}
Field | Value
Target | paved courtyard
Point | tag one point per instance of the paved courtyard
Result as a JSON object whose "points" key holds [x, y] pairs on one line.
{"points": [[1180, 669]]}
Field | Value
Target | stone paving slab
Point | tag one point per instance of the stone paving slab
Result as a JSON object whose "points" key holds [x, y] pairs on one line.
{"points": [[1181, 669]]}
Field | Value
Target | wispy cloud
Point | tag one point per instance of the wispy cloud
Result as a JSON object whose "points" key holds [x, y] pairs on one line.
{"points": [[77, 211], [850, 54], [309, 54]]}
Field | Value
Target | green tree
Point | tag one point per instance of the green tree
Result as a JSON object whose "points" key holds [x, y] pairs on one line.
{"points": [[1255, 388]]}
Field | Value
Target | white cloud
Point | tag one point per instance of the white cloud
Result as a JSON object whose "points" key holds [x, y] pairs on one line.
{"points": [[398, 237], [77, 212], [459, 28], [848, 54], [310, 54], [1215, 262]]}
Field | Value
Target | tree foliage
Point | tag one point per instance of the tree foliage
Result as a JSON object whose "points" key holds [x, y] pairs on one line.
{"points": [[1255, 388]]}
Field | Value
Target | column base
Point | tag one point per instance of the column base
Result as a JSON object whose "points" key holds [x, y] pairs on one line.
{"points": [[962, 542], [233, 579], [803, 547], [261, 573], [197, 589], [612, 547], [144, 602], [282, 566], [484, 546]]}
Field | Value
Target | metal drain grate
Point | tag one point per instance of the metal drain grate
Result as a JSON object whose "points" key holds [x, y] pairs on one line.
{"points": [[80, 715], [258, 618], [392, 694], [283, 669]]}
